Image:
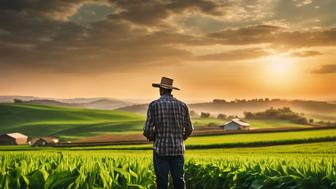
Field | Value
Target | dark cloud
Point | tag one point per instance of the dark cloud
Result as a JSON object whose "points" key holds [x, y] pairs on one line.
{"points": [[298, 39], [151, 13], [55, 9], [325, 69], [276, 36], [246, 35], [39, 35], [243, 54]]}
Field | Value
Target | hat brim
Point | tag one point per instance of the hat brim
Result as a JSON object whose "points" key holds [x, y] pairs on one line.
{"points": [[159, 85]]}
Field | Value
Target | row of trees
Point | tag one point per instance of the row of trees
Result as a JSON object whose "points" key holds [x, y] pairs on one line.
{"points": [[208, 115], [247, 100], [284, 113]]}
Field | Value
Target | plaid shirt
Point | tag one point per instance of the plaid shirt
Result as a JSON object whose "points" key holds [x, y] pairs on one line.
{"points": [[168, 124]]}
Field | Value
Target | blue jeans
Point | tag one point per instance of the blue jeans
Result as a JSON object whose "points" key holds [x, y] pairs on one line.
{"points": [[164, 164]]}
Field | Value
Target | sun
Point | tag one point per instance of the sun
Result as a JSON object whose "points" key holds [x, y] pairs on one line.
{"points": [[281, 65], [279, 71]]}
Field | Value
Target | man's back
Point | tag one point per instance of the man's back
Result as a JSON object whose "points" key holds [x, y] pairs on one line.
{"points": [[168, 124]]}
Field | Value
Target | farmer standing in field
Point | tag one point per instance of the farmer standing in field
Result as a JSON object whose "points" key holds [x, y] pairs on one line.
{"points": [[168, 124]]}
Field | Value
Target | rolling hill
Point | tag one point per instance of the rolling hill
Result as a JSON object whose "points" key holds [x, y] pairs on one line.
{"points": [[92, 103], [67, 123], [75, 123]]}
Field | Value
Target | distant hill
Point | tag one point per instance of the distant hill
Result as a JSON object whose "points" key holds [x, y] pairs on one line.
{"points": [[67, 123], [91, 103], [9, 99], [316, 109], [138, 108], [48, 102], [104, 104]]}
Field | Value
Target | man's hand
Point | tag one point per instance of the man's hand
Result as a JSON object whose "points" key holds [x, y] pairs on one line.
{"points": [[150, 137]]}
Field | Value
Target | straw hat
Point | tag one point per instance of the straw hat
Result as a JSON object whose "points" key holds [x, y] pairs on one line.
{"points": [[165, 83]]}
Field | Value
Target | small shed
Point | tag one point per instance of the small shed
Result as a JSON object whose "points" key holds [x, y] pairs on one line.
{"points": [[45, 141], [13, 139], [235, 124]]}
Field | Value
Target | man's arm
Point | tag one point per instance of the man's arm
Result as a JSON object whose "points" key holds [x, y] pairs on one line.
{"points": [[188, 128], [149, 129]]}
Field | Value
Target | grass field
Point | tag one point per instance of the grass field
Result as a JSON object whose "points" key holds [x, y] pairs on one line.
{"points": [[255, 137], [75, 123], [219, 161], [254, 123], [67, 123], [218, 141]]}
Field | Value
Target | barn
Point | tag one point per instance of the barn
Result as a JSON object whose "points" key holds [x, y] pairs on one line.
{"points": [[235, 124], [13, 139]]}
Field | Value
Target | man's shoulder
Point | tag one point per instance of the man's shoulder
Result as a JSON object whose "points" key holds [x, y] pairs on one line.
{"points": [[152, 104], [160, 100]]}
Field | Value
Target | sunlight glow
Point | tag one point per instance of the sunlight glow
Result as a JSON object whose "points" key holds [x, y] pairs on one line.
{"points": [[279, 71], [280, 64]]}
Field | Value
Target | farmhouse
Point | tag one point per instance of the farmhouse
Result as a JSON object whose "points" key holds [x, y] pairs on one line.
{"points": [[235, 124], [13, 139], [44, 141]]}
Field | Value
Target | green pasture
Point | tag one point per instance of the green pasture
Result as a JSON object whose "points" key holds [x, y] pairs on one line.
{"points": [[70, 123], [75, 123], [217, 141], [254, 123], [198, 122]]}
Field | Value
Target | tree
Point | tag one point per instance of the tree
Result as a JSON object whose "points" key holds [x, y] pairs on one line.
{"points": [[248, 115], [193, 113], [311, 121], [231, 117], [18, 100], [221, 116], [205, 114]]}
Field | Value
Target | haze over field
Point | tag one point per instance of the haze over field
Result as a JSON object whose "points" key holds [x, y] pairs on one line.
{"points": [[213, 49]]}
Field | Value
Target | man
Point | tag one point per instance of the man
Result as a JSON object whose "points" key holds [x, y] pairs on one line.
{"points": [[168, 124]]}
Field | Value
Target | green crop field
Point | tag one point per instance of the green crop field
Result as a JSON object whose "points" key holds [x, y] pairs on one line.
{"points": [[247, 140], [290, 166], [219, 161], [259, 137]]}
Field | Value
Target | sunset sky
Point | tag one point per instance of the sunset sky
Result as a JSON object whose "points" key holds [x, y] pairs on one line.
{"points": [[212, 49]]}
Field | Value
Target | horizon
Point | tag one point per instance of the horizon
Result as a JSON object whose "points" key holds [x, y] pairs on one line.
{"points": [[143, 100], [212, 49]]}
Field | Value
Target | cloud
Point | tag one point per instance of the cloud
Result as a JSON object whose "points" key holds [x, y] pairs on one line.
{"points": [[54, 9], [325, 69], [151, 13], [135, 35], [276, 36], [306, 53], [245, 35], [242, 54]]}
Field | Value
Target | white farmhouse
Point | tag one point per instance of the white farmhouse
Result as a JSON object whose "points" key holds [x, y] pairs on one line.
{"points": [[235, 124]]}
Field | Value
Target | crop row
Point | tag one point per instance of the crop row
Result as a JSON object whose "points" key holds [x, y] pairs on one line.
{"points": [[96, 170]]}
